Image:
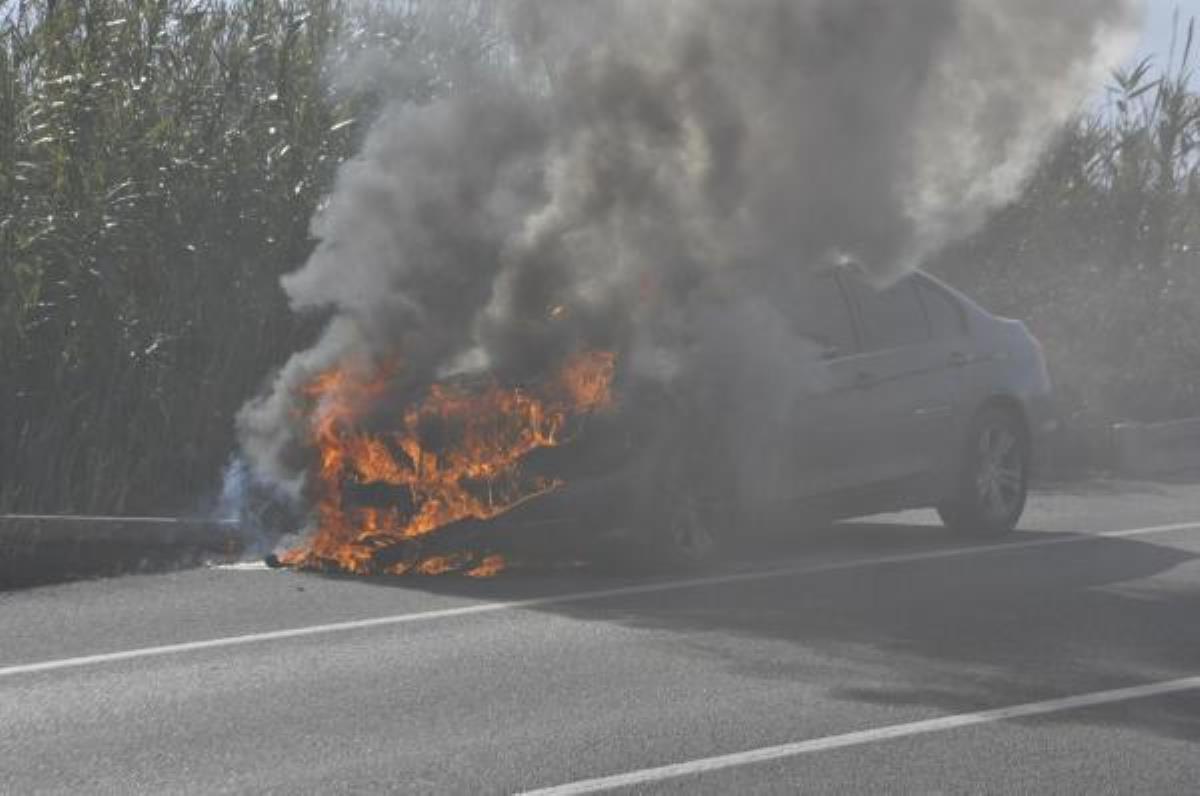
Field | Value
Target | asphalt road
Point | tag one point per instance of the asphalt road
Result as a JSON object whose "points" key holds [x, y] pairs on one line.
{"points": [[882, 656]]}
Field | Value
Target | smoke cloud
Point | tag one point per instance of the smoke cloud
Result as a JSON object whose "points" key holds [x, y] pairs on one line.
{"points": [[655, 177]]}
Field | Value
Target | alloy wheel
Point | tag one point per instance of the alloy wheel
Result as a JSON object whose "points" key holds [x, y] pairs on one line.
{"points": [[999, 475]]}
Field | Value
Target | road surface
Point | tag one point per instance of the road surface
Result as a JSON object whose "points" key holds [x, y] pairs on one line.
{"points": [[880, 656]]}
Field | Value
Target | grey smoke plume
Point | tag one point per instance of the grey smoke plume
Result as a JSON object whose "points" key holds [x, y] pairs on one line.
{"points": [[651, 176]]}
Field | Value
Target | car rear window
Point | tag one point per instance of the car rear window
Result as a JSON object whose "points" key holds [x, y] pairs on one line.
{"points": [[892, 317], [945, 314]]}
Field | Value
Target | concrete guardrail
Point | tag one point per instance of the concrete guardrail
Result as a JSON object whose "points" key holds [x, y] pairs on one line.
{"points": [[1148, 449], [47, 548]]}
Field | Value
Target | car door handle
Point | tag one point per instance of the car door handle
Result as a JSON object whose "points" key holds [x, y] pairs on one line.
{"points": [[957, 359]]}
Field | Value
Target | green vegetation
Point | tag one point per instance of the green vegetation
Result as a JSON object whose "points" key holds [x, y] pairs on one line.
{"points": [[160, 161], [1101, 255]]}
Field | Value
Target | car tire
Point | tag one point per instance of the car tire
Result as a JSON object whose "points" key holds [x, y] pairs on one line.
{"points": [[994, 477]]}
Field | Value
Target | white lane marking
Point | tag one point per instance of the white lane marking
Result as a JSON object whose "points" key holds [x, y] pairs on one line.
{"points": [[576, 597], [709, 764]]}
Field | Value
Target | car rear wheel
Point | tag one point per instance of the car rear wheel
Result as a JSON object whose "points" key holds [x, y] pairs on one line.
{"points": [[994, 480]]}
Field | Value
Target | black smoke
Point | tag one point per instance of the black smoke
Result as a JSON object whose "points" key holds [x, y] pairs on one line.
{"points": [[654, 177]]}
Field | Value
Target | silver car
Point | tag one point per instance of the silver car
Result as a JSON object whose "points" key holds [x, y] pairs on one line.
{"points": [[931, 402], [927, 401], [934, 402]]}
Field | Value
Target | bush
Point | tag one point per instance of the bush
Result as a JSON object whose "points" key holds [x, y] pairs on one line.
{"points": [[159, 164], [160, 161], [1101, 255]]}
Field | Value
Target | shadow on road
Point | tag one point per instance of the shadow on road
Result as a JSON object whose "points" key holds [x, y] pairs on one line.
{"points": [[959, 634]]}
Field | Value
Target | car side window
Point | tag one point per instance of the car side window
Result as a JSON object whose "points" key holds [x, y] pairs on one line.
{"points": [[823, 316], [892, 317], [943, 310]]}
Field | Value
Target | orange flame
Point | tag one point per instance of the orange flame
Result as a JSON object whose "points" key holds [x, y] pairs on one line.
{"points": [[455, 455]]}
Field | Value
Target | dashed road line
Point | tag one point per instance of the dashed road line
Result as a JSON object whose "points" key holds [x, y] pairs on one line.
{"points": [[706, 765]]}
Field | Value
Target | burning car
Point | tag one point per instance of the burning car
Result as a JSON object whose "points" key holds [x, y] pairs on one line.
{"points": [[924, 399], [929, 401]]}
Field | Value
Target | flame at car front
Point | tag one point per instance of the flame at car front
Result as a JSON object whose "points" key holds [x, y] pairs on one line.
{"points": [[453, 455]]}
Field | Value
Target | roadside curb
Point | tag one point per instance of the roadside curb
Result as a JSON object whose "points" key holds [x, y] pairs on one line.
{"points": [[38, 549]]}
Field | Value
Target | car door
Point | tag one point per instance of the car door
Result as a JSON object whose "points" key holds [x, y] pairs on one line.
{"points": [[907, 380], [948, 357], [826, 434]]}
